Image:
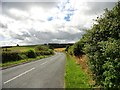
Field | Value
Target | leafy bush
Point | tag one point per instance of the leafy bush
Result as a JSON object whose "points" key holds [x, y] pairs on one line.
{"points": [[70, 50], [49, 52], [78, 48], [102, 45], [111, 64], [31, 54], [23, 55], [10, 56], [41, 48]]}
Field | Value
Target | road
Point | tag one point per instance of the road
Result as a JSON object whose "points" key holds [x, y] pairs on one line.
{"points": [[44, 73]]}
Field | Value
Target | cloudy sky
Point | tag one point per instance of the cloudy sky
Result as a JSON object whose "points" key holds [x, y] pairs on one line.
{"points": [[38, 22]]}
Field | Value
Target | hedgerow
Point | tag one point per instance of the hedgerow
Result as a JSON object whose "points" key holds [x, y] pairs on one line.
{"points": [[102, 45], [10, 56]]}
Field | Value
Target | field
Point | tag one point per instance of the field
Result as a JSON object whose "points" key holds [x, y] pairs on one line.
{"points": [[59, 49], [19, 48], [20, 54]]}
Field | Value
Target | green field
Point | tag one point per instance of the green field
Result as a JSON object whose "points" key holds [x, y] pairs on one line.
{"points": [[19, 48], [20, 54]]}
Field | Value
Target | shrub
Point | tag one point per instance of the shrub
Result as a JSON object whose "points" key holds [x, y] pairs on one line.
{"points": [[41, 48], [70, 50], [111, 65], [10, 56], [78, 48], [23, 55], [49, 52], [102, 45], [31, 54]]}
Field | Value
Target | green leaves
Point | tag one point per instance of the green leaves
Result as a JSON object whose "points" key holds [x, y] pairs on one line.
{"points": [[31, 54], [102, 45], [104, 50]]}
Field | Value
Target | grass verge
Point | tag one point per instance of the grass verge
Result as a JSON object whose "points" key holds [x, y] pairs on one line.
{"points": [[75, 77], [13, 63]]}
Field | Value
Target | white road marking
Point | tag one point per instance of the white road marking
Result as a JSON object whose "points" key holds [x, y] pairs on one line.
{"points": [[43, 63], [19, 75]]}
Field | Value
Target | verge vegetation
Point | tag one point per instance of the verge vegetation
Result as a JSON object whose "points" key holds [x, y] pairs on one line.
{"points": [[75, 77], [101, 44]]}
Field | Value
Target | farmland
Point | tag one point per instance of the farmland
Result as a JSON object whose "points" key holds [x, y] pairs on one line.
{"points": [[20, 54]]}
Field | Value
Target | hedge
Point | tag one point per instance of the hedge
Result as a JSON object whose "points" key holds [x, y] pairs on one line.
{"points": [[102, 45]]}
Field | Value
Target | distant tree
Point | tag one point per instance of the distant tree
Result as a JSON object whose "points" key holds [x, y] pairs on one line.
{"points": [[17, 44]]}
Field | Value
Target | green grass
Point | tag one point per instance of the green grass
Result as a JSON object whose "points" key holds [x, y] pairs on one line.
{"points": [[20, 48], [75, 77], [22, 61]]}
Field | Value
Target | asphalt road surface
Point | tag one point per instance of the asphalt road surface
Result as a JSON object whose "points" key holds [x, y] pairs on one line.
{"points": [[44, 73]]}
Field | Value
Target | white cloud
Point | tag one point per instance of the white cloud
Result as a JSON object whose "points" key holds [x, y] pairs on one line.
{"points": [[18, 13], [39, 25], [37, 13]]}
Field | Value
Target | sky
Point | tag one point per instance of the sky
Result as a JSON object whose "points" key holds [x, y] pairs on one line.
{"points": [[39, 22]]}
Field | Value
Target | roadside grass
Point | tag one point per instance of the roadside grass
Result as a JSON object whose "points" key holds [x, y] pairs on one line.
{"points": [[12, 63], [75, 77]]}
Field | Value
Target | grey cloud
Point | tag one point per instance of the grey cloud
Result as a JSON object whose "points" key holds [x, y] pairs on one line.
{"points": [[37, 37], [98, 7], [25, 34], [16, 36], [0, 7], [30, 0], [3, 26], [19, 36], [25, 6], [68, 36]]}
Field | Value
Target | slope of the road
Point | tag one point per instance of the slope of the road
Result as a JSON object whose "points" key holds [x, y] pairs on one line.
{"points": [[44, 73]]}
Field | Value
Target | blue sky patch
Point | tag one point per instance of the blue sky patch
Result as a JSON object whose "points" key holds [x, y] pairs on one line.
{"points": [[50, 18], [67, 18]]}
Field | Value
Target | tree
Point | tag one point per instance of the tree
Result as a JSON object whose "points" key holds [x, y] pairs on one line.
{"points": [[17, 44]]}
